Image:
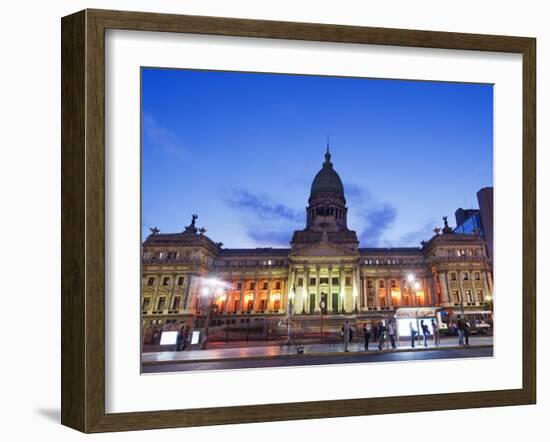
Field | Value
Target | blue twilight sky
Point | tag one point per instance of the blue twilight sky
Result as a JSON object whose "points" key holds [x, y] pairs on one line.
{"points": [[241, 150]]}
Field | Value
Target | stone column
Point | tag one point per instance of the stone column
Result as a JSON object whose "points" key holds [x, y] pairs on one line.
{"points": [[425, 290], [376, 293], [268, 300], [462, 294], [187, 290], [154, 296], [329, 295], [306, 294], [357, 290], [341, 299], [486, 287], [366, 286], [316, 308], [170, 295], [445, 295], [389, 300], [489, 280], [256, 301], [241, 299], [285, 302]]}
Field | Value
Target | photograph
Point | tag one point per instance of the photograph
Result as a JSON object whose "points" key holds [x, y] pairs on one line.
{"points": [[302, 220]]}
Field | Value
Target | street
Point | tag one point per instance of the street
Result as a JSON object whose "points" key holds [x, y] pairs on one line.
{"points": [[317, 354]]}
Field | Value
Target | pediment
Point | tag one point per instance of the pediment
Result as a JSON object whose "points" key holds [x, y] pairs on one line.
{"points": [[323, 249]]}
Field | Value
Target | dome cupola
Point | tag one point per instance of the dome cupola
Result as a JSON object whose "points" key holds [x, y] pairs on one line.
{"points": [[327, 205], [327, 181]]}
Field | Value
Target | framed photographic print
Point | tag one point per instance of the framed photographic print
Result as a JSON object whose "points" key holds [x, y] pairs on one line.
{"points": [[267, 221]]}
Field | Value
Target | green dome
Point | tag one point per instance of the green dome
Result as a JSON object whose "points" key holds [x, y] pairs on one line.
{"points": [[327, 180]]}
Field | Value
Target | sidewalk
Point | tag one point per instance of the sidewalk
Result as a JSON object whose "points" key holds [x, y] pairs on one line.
{"points": [[284, 351]]}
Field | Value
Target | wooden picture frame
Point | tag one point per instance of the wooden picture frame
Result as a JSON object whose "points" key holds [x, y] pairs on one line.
{"points": [[83, 220]]}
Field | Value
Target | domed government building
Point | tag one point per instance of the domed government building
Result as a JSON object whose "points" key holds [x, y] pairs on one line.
{"points": [[187, 278]]}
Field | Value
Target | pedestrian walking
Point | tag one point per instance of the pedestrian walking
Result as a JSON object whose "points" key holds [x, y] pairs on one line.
{"points": [[454, 328], [391, 333], [381, 335], [435, 331], [460, 327], [413, 333], [346, 329], [466, 333], [179, 339], [367, 335], [425, 332]]}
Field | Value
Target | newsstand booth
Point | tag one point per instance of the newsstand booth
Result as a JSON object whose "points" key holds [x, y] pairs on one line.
{"points": [[405, 315]]}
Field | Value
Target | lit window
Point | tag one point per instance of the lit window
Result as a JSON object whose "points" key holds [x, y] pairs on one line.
{"points": [[145, 304], [469, 297], [480, 296], [176, 303], [161, 303], [456, 298]]}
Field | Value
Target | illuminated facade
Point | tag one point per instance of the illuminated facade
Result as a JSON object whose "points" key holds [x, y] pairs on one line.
{"points": [[324, 263]]}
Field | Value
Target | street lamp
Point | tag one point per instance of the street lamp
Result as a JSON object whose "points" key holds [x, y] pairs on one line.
{"points": [[413, 286], [322, 305], [211, 287]]}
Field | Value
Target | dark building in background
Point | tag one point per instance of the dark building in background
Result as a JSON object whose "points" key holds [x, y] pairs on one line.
{"points": [[478, 221], [468, 221], [485, 201]]}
